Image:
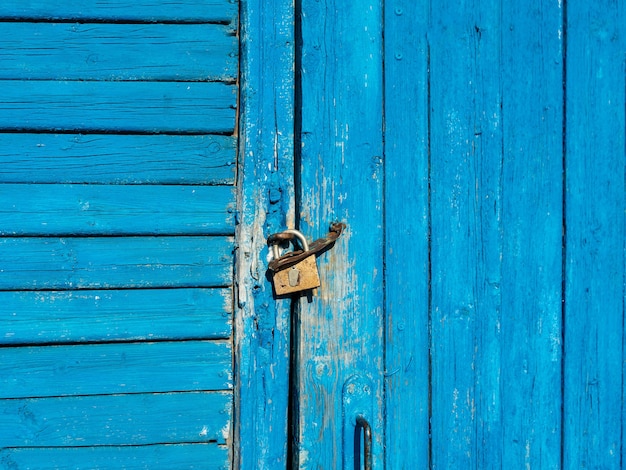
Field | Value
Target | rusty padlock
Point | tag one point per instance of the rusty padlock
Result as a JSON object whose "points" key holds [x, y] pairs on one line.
{"points": [[299, 276]]}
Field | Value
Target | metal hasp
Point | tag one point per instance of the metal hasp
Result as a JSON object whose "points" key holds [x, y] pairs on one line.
{"points": [[296, 271]]}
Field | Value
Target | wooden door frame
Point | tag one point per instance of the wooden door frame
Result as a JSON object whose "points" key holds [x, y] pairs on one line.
{"points": [[266, 204]]}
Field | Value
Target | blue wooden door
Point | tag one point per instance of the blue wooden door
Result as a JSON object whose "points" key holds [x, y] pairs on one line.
{"points": [[117, 158], [473, 311]]}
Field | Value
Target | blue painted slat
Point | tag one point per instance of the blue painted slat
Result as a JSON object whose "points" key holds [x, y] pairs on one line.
{"points": [[120, 10], [154, 457], [595, 233], [115, 262], [466, 164], [103, 369], [53, 210], [117, 159], [406, 234], [532, 219], [340, 343], [89, 106], [110, 420], [266, 205], [70, 51], [47, 317], [120, 84]]}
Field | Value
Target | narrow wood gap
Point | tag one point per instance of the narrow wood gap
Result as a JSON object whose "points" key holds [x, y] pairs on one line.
{"points": [[293, 410], [87, 21], [221, 339], [86, 290], [430, 263], [223, 391], [217, 339], [117, 446], [109, 132], [564, 232], [225, 80], [385, 237]]}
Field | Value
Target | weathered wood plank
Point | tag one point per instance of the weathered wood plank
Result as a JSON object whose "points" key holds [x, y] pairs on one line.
{"points": [[69, 51], [55, 209], [113, 315], [266, 205], [89, 106], [99, 369], [154, 457], [341, 332], [532, 220], [594, 412], [466, 164], [406, 234], [115, 262], [109, 420], [120, 10], [118, 159]]}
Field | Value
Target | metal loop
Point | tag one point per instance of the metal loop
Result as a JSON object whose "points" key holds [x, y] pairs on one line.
{"points": [[300, 237], [362, 423], [287, 235]]}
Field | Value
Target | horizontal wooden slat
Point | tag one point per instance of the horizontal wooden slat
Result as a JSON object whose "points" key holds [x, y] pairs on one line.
{"points": [[54, 209], [113, 315], [116, 420], [115, 262], [119, 159], [90, 106], [119, 10], [98, 369], [57, 51], [154, 457]]}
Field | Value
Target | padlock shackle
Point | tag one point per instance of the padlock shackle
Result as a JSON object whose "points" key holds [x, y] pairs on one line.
{"points": [[299, 236], [295, 233]]}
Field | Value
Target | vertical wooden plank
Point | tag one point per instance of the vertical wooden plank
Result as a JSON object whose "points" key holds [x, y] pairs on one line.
{"points": [[466, 165], [340, 346], [594, 269], [531, 201], [407, 234], [262, 324]]}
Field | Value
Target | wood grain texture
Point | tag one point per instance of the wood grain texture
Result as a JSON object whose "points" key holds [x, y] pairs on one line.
{"points": [[527, 222], [53, 210], [116, 234], [143, 107], [266, 206], [117, 159], [341, 332], [121, 10], [531, 230], [407, 272], [115, 262], [103, 369], [466, 166], [595, 233], [110, 420], [71, 51], [156, 457], [48, 317]]}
